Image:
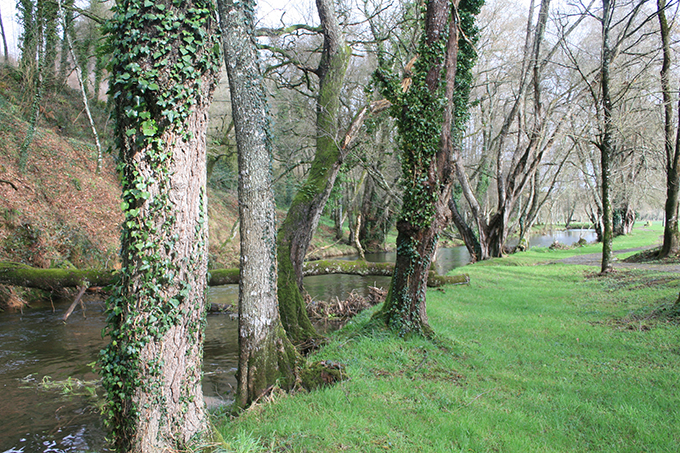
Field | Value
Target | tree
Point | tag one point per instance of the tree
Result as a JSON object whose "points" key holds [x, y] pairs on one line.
{"points": [[606, 140], [69, 45], [304, 213], [425, 114], [165, 67], [4, 39], [671, 235], [265, 353], [534, 118]]}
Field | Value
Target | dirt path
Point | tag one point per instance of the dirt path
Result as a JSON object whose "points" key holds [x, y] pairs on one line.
{"points": [[595, 259]]}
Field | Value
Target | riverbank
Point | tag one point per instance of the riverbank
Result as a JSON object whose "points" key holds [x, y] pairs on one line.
{"points": [[533, 355]]}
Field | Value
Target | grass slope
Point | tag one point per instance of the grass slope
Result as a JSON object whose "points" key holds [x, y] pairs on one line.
{"points": [[549, 358]]}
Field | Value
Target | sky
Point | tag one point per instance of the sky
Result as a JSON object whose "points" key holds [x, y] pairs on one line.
{"points": [[269, 13]]}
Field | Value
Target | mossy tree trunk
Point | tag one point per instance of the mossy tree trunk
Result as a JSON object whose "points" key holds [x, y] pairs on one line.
{"points": [[265, 353], [671, 234], [165, 67], [425, 139], [303, 216]]}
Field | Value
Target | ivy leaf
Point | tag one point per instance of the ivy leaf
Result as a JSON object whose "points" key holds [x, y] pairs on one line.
{"points": [[149, 128]]}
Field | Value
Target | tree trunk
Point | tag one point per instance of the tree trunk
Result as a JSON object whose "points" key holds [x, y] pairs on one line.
{"points": [[265, 353], [469, 237], [376, 217], [426, 166], [304, 213], [162, 82], [81, 83], [4, 39], [606, 144], [67, 35], [671, 234], [51, 38], [29, 38]]}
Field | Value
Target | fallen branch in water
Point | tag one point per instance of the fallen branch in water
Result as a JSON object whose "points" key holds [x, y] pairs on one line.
{"points": [[75, 302]]}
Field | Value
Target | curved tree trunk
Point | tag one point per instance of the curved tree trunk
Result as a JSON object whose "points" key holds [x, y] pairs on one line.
{"points": [[265, 353], [469, 237], [162, 85], [303, 216]]}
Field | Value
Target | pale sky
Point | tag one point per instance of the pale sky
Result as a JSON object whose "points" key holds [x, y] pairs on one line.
{"points": [[269, 12]]}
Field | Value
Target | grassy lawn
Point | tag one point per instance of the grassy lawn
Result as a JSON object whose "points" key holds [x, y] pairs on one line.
{"points": [[529, 357]]}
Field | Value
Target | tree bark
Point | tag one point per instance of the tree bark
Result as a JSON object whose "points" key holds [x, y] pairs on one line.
{"points": [[67, 34], [304, 213], [671, 234], [265, 353], [164, 71], [606, 144], [426, 167], [4, 39]]}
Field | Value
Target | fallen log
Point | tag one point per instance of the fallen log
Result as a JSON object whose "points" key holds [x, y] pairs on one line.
{"points": [[360, 267], [14, 274]]}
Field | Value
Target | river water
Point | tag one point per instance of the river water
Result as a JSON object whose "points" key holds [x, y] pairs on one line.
{"points": [[36, 346]]}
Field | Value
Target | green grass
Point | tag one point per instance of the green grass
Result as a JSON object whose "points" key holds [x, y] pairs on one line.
{"points": [[549, 358]]}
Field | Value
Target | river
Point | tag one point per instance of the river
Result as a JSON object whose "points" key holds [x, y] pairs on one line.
{"points": [[36, 346]]}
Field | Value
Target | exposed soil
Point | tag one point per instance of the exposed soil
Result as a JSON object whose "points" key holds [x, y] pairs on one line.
{"points": [[595, 259]]}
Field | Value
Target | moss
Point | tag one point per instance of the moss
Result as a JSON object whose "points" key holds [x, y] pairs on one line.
{"points": [[291, 303], [277, 362], [321, 374]]}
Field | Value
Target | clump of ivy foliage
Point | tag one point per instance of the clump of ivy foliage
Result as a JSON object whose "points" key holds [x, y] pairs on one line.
{"points": [[160, 50], [418, 114]]}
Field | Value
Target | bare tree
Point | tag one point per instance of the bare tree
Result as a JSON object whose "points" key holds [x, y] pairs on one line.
{"points": [[4, 39], [671, 235]]}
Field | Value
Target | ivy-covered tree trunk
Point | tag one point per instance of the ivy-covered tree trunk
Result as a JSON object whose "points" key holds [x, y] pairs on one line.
{"points": [[68, 32], [265, 353], [165, 67], [424, 117], [671, 234], [28, 41], [49, 19], [305, 210]]}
